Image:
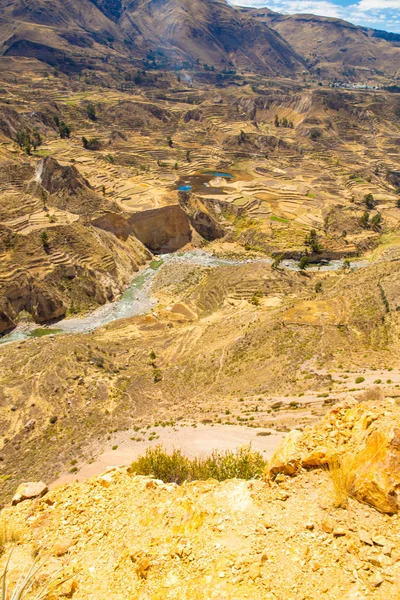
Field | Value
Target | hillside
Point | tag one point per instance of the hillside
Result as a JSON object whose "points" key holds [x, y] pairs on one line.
{"points": [[333, 47]]}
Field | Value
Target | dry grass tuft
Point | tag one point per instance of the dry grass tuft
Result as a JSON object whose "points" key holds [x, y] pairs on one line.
{"points": [[341, 474], [8, 534], [372, 395]]}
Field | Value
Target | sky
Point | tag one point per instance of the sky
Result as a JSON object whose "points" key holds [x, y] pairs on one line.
{"points": [[379, 14]]}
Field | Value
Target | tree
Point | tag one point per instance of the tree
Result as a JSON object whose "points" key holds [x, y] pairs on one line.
{"points": [[24, 140], [312, 242], [36, 138], [276, 122], [64, 130], [303, 263], [45, 241], [369, 201], [364, 220], [376, 222], [91, 112], [170, 142]]}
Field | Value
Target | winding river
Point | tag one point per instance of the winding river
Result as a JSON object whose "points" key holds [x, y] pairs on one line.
{"points": [[138, 299]]}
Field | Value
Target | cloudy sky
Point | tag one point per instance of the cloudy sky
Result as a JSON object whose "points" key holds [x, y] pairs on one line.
{"points": [[380, 14]]}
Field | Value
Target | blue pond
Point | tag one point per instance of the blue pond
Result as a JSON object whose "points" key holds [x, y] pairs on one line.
{"points": [[218, 174], [185, 188]]}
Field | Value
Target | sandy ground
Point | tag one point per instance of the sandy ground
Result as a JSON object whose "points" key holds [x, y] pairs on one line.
{"points": [[192, 441]]}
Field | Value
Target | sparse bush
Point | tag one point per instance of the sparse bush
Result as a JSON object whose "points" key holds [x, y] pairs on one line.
{"points": [[371, 395], [157, 375], [360, 379], [177, 468]]}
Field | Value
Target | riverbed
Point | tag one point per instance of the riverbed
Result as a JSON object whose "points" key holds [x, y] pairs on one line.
{"points": [[138, 298]]}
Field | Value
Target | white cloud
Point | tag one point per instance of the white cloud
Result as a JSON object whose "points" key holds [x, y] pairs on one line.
{"points": [[381, 14]]}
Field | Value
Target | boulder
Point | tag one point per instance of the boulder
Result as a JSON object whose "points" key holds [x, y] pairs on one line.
{"points": [[30, 490], [376, 471], [287, 457]]}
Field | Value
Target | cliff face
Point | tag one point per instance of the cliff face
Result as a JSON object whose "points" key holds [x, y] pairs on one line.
{"points": [[164, 229], [124, 536], [68, 246]]}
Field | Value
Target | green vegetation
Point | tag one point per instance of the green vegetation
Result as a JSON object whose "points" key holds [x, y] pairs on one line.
{"points": [[27, 140], [45, 241], [303, 263], [369, 201], [360, 379], [91, 144], [279, 219], [177, 468], [40, 332], [312, 242], [91, 112], [256, 298]]}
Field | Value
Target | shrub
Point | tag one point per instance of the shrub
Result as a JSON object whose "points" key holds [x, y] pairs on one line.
{"points": [[303, 263], [360, 379], [369, 201], [177, 468], [91, 144]]}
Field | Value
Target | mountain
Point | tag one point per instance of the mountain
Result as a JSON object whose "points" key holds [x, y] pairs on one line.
{"points": [[72, 34], [333, 46]]}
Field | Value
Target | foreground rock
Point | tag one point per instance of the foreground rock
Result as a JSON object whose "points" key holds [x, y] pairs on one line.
{"points": [[359, 443], [126, 537]]}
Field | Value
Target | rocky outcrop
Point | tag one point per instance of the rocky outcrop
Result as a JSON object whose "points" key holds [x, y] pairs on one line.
{"points": [[163, 229], [56, 178], [359, 440], [202, 216]]}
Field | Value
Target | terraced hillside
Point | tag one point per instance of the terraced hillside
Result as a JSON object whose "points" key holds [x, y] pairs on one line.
{"points": [[97, 179]]}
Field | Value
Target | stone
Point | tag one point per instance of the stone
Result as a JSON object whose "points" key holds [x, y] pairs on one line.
{"points": [[365, 537], [29, 490], [376, 580], [254, 571], [29, 425], [339, 531], [63, 546], [287, 457], [379, 540], [327, 525], [319, 457]]}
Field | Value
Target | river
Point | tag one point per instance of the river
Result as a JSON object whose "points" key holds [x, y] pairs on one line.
{"points": [[138, 299]]}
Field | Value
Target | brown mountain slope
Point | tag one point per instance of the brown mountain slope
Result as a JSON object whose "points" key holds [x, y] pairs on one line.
{"points": [[73, 34], [208, 30], [338, 48]]}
